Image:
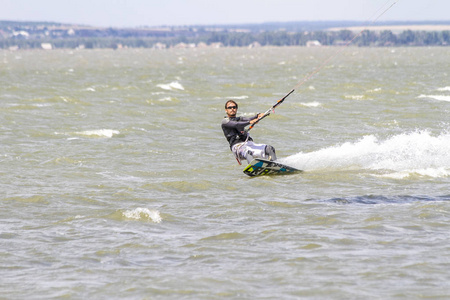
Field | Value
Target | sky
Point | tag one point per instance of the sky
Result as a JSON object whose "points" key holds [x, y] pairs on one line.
{"points": [[137, 13]]}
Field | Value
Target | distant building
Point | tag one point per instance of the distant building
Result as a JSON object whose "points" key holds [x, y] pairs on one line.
{"points": [[216, 45], [159, 46], [314, 43], [21, 34], [181, 46], [46, 46], [254, 45]]}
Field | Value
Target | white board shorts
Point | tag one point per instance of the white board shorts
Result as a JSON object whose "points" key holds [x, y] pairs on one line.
{"points": [[250, 150]]}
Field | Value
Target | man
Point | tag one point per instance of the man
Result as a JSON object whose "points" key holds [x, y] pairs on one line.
{"points": [[241, 144]]}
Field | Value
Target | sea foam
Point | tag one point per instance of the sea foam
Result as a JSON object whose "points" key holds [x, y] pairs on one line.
{"points": [[171, 86], [143, 213], [415, 153], [311, 104], [436, 97], [99, 133], [430, 172], [108, 133], [238, 97]]}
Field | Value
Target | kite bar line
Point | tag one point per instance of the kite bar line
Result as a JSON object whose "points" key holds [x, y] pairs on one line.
{"points": [[318, 69], [270, 110]]}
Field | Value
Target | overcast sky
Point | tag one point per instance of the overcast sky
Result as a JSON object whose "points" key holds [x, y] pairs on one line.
{"points": [[134, 13]]}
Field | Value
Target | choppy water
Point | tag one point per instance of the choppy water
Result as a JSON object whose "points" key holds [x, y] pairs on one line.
{"points": [[117, 182]]}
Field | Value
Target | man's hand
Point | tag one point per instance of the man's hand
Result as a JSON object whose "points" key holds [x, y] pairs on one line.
{"points": [[255, 120]]}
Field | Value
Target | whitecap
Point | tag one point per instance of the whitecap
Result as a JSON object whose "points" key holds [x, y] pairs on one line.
{"points": [[447, 88], [100, 133], [311, 104], [436, 97], [42, 105], [171, 86], [143, 213], [354, 97], [395, 175], [238, 97], [400, 155], [429, 172]]}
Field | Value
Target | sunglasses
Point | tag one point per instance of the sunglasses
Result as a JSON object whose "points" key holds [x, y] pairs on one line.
{"points": [[231, 107]]}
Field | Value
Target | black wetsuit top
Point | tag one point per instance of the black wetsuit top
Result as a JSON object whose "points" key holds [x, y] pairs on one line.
{"points": [[233, 129]]}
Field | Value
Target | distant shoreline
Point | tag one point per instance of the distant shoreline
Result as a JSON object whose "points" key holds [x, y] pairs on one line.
{"points": [[49, 36], [394, 28]]}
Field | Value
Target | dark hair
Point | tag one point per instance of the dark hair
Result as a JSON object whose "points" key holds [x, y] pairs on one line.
{"points": [[232, 101]]}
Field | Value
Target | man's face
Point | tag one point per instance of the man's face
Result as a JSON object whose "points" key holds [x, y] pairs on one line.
{"points": [[231, 110]]}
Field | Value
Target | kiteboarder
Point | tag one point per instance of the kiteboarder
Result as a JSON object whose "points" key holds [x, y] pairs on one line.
{"points": [[241, 144]]}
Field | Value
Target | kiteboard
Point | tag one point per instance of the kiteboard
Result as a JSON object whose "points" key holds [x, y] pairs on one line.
{"points": [[260, 167]]}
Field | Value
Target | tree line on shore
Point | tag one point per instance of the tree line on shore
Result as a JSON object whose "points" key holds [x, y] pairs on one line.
{"points": [[235, 39]]}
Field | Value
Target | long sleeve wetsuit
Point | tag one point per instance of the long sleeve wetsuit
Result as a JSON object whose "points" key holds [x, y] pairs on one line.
{"points": [[234, 129]]}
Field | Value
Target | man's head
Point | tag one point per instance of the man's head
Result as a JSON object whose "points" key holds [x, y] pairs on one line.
{"points": [[231, 108]]}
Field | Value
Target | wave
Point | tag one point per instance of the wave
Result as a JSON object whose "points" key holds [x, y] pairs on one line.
{"points": [[108, 133], [171, 86], [143, 214], [238, 97], [437, 97], [378, 199], [429, 172], [404, 155], [311, 104], [102, 133], [355, 97], [165, 99]]}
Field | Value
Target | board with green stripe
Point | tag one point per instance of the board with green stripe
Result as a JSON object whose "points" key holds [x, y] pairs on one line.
{"points": [[260, 167]]}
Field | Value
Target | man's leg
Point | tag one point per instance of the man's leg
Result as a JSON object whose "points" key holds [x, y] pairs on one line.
{"points": [[252, 150]]}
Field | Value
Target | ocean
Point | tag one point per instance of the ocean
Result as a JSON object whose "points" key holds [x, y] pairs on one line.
{"points": [[117, 181]]}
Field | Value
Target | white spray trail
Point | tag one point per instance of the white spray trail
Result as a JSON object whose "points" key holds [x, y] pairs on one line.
{"points": [[416, 152]]}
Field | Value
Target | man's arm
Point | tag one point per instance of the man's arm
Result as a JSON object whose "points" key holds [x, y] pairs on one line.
{"points": [[238, 125]]}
